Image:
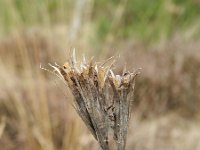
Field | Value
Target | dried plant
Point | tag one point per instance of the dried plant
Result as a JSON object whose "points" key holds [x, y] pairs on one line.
{"points": [[101, 98]]}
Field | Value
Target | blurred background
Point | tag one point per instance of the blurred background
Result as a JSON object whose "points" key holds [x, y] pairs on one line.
{"points": [[162, 37]]}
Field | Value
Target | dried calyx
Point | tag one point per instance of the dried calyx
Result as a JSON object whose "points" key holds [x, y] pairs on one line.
{"points": [[101, 98]]}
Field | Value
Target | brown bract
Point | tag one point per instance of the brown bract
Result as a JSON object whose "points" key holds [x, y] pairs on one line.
{"points": [[102, 99]]}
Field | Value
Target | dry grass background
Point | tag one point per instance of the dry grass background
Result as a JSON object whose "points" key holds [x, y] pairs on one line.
{"points": [[35, 107], [36, 110]]}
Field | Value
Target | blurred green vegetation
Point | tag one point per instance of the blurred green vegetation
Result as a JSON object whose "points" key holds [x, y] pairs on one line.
{"points": [[150, 19], [141, 19]]}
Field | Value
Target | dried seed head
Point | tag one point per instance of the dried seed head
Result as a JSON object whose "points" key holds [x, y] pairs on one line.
{"points": [[102, 99]]}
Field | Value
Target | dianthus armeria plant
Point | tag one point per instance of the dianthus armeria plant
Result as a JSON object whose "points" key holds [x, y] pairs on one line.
{"points": [[102, 99]]}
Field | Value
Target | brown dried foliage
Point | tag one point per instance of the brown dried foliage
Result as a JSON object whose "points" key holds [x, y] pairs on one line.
{"points": [[101, 98]]}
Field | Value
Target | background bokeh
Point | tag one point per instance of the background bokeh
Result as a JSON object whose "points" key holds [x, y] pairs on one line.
{"points": [[161, 37]]}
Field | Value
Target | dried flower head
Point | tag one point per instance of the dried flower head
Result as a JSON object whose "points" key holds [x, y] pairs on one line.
{"points": [[102, 99]]}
